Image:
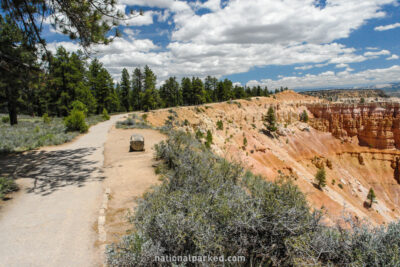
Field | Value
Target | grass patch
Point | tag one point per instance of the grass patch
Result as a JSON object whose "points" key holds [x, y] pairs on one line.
{"points": [[34, 132]]}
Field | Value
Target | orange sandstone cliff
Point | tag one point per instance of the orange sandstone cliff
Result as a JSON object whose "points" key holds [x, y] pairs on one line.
{"points": [[298, 150], [375, 125]]}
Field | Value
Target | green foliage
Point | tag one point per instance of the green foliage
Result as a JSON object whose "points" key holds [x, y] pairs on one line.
{"points": [[125, 90], [371, 197], [89, 22], [199, 134], [209, 139], [270, 120], [5, 119], [75, 121], [320, 178], [244, 142], [46, 118], [362, 100], [7, 186], [105, 115], [340, 186], [78, 105], [304, 116], [220, 125]]}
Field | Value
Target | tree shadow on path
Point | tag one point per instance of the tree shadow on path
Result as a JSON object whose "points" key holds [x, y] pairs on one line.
{"points": [[52, 170]]}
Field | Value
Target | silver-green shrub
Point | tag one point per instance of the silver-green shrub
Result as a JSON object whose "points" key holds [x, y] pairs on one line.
{"points": [[209, 206]]}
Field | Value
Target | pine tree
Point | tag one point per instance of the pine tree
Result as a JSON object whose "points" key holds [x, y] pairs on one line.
{"points": [[371, 197], [270, 120], [198, 92], [125, 90], [187, 91], [150, 98], [137, 88], [304, 116], [320, 178], [210, 86], [17, 59], [170, 93]]}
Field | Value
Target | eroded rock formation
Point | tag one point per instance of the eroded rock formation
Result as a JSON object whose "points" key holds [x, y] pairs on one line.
{"points": [[376, 125]]}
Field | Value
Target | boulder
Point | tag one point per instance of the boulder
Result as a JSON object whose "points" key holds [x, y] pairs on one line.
{"points": [[137, 142]]}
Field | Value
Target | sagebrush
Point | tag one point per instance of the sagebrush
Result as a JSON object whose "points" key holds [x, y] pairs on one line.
{"points": [[209, 206]]}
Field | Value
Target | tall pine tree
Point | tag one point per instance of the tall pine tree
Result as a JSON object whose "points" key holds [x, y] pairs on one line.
{"points": [[125, 90]]}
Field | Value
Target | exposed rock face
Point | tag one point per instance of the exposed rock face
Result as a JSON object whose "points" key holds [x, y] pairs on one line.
{"points": [[376, 125]]}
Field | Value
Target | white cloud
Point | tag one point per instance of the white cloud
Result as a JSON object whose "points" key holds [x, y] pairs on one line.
{"points": [[387, 27], [305, 67], [244, 34], [393, 57], [377, 53], [330, 78]]}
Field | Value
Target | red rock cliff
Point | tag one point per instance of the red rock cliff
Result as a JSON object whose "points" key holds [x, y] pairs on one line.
{"points": [[376, 125]]}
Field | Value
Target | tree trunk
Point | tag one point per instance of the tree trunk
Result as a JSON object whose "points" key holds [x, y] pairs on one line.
{"points": [[12, 107]]}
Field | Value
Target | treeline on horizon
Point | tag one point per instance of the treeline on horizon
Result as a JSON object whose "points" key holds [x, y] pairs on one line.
{"points": [[69, 77]]}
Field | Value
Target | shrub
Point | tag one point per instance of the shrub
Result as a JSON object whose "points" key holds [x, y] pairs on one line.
{"points": [[144, 116], [105, 115], [5, 119], [320, 178], [220, 125], [7, 186], [78, 105], [208, 206], [340, 186], [75, 121], [304, 116], [46, 118], [209, 139], [371, 197]]}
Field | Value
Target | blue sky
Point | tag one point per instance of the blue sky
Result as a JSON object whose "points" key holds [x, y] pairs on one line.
{"points": [[294, 43]]}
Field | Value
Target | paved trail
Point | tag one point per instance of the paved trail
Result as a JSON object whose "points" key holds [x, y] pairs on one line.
{"points": [[50, 222]]}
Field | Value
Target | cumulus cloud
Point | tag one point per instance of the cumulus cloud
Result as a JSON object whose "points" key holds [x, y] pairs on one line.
{"points": [[387, 27], [330, 78], [392, 57], [238, 35], [378, 53]]}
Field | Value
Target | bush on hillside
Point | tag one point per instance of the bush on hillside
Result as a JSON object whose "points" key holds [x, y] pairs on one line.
{"points": [[75, 121], [7, 186], [5, 119], [208, 206], [78, 105], [46, 118], [105, 115]]}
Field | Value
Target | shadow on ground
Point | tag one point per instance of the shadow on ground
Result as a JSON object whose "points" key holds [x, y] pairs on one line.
{"points": [[51, 170]]}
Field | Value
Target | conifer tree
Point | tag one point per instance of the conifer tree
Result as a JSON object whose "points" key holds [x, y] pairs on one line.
{"points": [[170, 93], [270, 120], [187, 91], [16, 57], [137, 88], [125, 90], [371, 197], [320, 178], [198, 92]]}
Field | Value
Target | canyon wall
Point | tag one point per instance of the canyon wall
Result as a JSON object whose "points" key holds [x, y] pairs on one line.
{"points": [[376, 125]]}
